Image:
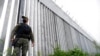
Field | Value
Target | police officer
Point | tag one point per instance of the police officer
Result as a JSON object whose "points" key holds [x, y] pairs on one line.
{"points": [[23, 34]]}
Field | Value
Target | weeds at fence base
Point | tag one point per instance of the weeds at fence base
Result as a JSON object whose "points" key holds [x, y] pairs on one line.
{"points": [[74, 52]]}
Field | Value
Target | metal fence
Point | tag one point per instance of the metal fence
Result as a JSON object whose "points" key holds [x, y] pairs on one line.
{"points": [[50, 25]]}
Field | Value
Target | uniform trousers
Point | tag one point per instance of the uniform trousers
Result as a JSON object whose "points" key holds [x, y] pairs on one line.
{"points": [[21, 44]]}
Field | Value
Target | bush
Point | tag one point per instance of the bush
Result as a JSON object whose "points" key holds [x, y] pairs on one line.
{"points": [[58, 52], [98, 54], [0, 53], [74, 52]]}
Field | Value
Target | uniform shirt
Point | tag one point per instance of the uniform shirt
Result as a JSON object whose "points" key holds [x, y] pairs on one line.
{"points": [[16, 29]]}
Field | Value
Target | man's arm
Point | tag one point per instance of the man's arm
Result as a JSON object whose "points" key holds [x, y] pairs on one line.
{"points": [[14, 32], [32, 37]]}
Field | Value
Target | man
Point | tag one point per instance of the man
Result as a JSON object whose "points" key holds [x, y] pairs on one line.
{"points": [[23, 34]]}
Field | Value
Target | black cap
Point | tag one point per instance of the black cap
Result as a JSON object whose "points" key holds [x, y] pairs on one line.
{"points": [[24, 18]]}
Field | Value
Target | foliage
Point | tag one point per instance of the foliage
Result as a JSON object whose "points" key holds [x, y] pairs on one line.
{"points": [[1, 41], [58, 52], [39, 54], [0, 53], [9, 51], [98, 54], [74, 52]]}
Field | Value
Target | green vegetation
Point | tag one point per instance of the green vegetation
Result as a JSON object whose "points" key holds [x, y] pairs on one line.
{"points": [[74, 52], [0, 54], [58, 52], [39, 54], [98, 54], [1, 41], [9, 52]]}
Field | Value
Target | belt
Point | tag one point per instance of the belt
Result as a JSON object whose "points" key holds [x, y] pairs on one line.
{"points": [[23, 36]]}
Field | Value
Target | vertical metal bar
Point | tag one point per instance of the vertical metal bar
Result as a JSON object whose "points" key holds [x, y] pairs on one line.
{"points": [[65, 43], [51, 34], [60, 33], [30, 16], [45, 30], [36, 27], [26, 10], [3, 16], [4, 30], [49, 30], [52, 29], [21, 10], [87, 40], [74, 37], [54, 45], [81, 39], [71, 38], [14, 20], [4, 22], [85, 48], [86, 44], [65, 28], [78, 38], [57, 30], [44, 50], [7, 40], [63, 35], [42, 30], [64, 23], [39, 28], [91, 46], [49, 26]]}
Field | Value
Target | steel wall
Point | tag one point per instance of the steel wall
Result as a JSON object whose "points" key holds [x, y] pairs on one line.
{"points": [[50, 25]]}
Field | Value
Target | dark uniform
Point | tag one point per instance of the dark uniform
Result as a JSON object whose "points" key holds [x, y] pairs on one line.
{"points": [[21, 40]]}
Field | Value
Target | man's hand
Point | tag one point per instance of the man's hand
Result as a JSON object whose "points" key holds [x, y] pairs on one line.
{"points": [[12, 39], [32, 44]]}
